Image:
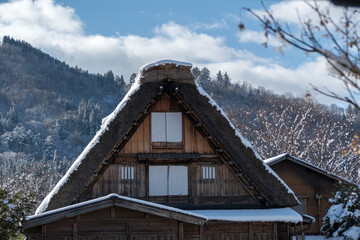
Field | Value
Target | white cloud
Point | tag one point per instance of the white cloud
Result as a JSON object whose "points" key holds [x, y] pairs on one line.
{"points": [[59, 31], [258, 37], [292, 11], [206, 26], [283, 80]]}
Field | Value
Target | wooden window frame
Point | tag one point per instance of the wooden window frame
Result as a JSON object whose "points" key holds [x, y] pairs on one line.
{"points": [[166, 144]]}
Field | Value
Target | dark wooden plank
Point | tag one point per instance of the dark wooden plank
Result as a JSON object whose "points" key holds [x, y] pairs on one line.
{"points": [[181, 231]]}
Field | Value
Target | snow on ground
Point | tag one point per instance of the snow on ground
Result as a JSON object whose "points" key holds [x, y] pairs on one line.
{"points": [[317, 237]]}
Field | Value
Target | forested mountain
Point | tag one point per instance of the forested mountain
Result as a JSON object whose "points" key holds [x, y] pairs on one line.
{"points": [[50, 111]]}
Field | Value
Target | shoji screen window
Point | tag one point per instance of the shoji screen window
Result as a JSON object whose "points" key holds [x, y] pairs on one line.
{"points": [[166, 129], [168, 180]]}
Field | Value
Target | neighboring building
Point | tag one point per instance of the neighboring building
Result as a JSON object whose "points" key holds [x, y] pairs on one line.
{"points": [[312, 185], [167, 164]]}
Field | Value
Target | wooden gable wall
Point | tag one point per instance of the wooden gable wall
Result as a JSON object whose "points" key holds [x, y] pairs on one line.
{"points": [[140, 142], [223, 189]]}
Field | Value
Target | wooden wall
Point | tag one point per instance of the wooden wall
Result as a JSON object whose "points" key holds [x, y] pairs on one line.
{"points": [[140, 142], [306, 184], [115, 223], [201, 191], [224, 189]]}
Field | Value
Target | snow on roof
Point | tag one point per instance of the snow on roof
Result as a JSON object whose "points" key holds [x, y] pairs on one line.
{"points": [[104, 127], [164, 62], [237, 133], [280, 157], [251, 215], [243, 139], [114, 195], [234, 215], [273, 159]]}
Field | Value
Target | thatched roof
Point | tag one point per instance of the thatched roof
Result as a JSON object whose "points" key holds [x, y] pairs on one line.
{"points": [[174, 79]]}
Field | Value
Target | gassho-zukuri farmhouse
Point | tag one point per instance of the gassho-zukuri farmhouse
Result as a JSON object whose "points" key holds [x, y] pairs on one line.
{"points": [[167, 164]]}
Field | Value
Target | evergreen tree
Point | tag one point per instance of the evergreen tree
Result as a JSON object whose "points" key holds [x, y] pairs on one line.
{"points": [[132, 78], [204, 77], [343, 217], [13, 210], [220, 78], [196, 72]]}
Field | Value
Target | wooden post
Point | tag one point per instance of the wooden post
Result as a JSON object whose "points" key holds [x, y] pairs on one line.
{"points": [[112, 212], [302, 233], [181, 231], [288, 231], [74, 231], [43, 232], [128, 231], [275, 231], [201, 229], [297, 238], [251, 231]]}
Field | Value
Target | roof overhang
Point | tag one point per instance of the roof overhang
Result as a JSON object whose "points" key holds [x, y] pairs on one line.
{"points": [[285, 156], [109, 201]]}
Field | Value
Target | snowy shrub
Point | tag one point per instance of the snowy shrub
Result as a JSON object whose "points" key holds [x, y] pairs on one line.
{"points": [[13, 210], [343, 217]]}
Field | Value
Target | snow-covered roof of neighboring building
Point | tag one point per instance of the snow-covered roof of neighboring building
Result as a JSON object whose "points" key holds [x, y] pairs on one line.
{"points": [[286, 156], [152, 82]]}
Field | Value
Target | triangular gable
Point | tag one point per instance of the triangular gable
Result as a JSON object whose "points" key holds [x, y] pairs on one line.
{"points": [[176, 80], [139, 141]]}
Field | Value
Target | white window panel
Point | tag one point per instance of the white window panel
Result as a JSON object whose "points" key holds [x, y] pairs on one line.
{"points": [[178, 180], [173, 127], [158, 180], [158, 127]]}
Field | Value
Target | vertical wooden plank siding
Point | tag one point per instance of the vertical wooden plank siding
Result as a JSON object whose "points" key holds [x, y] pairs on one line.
{"points": [[275, 232], [224, 184], [75, 231], [181, 231], [110, 182], [120, 223], [140, 141]]}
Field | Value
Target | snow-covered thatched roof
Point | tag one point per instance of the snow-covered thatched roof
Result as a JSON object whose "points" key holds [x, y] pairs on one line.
{"points": [[174, 79]]}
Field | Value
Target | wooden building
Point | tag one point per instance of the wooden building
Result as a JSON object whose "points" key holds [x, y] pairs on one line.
{"points": [[166, 164], [312, 185]]}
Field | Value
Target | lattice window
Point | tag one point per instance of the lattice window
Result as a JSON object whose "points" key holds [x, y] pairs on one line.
{"points": [[208, 172], [127, 173]]}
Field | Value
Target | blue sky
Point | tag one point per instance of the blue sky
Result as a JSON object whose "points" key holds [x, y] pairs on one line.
{"points": [[124, 35]]}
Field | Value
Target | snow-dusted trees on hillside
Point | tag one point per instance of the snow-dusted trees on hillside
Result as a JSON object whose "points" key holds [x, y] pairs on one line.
{"points": [[278, 124]]}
